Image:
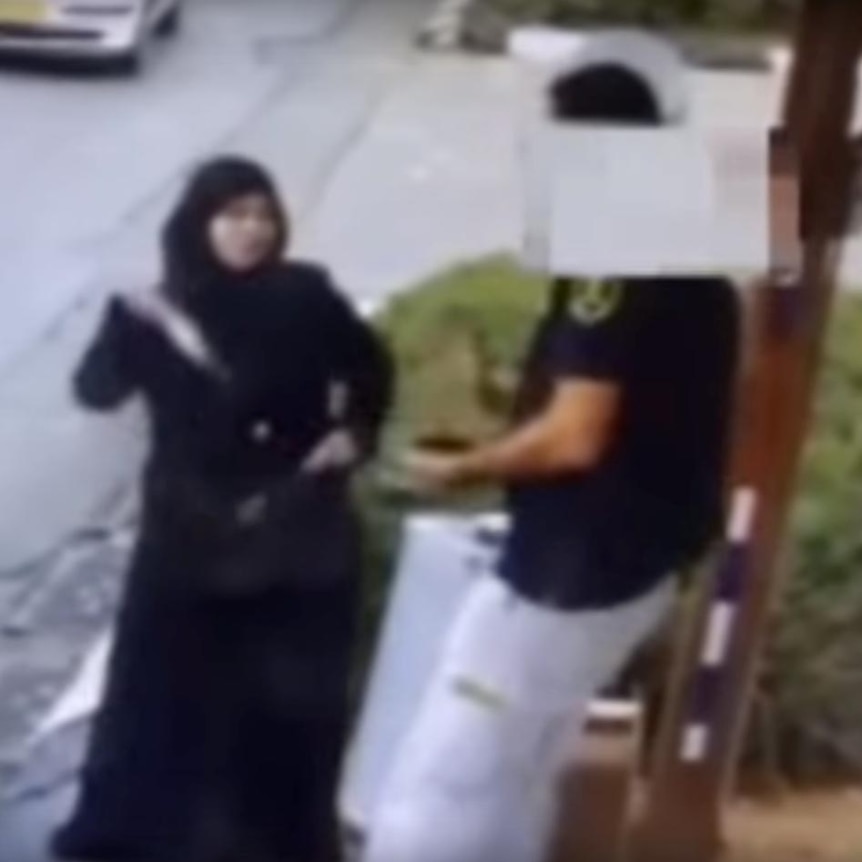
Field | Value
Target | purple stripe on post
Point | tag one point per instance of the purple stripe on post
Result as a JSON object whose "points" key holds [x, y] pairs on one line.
{"points": [[730, 580], [704, 696]]}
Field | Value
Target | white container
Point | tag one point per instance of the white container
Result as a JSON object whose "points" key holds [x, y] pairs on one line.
{"points": [[440, 558]]}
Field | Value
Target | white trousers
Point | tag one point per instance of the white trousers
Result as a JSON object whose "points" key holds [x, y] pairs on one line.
{"points": [[476, 779]]}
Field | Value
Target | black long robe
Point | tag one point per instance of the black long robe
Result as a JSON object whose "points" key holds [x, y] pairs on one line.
{"points": [[220, 736]]}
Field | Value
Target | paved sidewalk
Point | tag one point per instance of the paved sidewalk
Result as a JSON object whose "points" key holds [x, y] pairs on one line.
{"points": [[45, 639], [43, 719]]}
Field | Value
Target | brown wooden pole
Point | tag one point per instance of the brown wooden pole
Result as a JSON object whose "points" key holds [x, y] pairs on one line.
{"points": [[707, 708]]}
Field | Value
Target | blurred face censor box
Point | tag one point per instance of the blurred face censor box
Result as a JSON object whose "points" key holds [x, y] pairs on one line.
{"points": [[611, 201]]}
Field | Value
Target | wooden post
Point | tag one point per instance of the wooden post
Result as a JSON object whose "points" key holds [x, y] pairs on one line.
{"points": [[716, 667]]}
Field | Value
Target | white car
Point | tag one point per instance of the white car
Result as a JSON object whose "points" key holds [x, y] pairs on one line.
{"points": [[111, 30]]}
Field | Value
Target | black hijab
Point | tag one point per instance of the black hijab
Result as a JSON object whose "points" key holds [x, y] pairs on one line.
{"points": [[192, 274]]}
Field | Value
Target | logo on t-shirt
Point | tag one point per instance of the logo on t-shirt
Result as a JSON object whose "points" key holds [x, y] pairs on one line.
{"points": [[594, 302]]}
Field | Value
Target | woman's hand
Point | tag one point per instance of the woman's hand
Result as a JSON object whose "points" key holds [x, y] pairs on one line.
{"points": [[337, 451]]}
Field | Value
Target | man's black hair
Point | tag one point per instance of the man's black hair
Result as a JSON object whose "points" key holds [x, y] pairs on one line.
{"points": [[605, 93]]}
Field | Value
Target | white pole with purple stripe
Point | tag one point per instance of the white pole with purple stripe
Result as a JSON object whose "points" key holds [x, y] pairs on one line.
{"points": [[718, 636]]}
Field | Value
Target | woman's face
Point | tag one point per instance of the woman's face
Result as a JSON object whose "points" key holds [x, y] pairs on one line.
{"points": [[244, 234]]}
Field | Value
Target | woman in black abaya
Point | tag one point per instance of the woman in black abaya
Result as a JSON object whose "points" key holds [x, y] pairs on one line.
{"points": [[220, 735]]}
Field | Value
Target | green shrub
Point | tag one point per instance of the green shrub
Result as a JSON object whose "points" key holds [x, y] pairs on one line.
{"points": [[812, 681]]}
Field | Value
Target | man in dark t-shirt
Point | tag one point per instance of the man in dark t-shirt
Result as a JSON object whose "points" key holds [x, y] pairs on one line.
{"points": [[614, 467], [644, 368]]}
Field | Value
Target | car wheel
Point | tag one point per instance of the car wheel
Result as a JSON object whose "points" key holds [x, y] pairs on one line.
{"points": [[171, 24], [132, 63]]}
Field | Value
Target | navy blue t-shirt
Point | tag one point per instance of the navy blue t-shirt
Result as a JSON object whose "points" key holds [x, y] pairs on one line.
{"points": [[598, 538]]}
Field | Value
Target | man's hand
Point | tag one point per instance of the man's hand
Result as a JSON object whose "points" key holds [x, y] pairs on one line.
{"points": [[432, 471]]}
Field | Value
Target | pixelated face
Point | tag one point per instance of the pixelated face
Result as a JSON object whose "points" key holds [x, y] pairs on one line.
{"points": [[785, 222]]}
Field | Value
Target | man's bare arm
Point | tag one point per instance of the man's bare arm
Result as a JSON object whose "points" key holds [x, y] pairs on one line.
{"points": [[571, 435]]}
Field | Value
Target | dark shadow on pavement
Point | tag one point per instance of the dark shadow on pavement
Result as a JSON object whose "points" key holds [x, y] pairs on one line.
{"points": [[49, 67]]}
